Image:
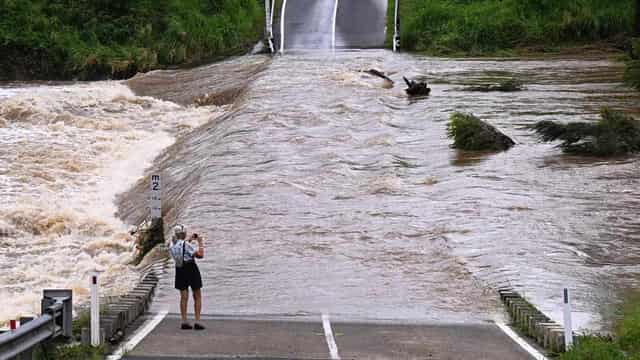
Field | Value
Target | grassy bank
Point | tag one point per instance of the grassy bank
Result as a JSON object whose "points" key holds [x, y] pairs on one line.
{"points": [[93, 39], [626, 344], [497, 27]]}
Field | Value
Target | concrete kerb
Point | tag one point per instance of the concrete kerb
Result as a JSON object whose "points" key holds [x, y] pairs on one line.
{"points": [[532, 322]]}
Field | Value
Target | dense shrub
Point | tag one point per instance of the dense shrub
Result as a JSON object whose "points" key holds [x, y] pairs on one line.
{"points": [[614, 134], [470, 133]]}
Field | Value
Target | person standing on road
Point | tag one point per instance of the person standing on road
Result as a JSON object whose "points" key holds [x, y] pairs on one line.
{"points": [[188, 276]]}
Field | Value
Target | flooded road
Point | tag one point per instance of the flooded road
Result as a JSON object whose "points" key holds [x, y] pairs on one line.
{"points": [[321, 190], [324, 191]]}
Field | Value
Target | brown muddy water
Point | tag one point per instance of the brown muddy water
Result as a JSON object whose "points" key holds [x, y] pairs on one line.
{"points": [[321, 190]]}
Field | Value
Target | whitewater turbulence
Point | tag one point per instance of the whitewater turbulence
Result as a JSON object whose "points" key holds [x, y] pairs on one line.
{"points": [[66, 152]]}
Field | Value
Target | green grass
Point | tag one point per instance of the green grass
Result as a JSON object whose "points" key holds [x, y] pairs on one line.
{"points": [[614, 134], [628, 329], [477, 27], [63, 351], [625, 345], [82, 321], [78, 352], [594, 348], [91, 39]]}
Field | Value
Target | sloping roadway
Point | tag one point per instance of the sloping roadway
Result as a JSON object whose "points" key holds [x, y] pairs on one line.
{"points": [[323, 24]]}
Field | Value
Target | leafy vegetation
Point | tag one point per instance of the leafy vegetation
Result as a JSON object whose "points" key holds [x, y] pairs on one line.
{"points": [[82, 321], [614, 134], [78, 352], [470, 133], [626, 345], [62, 351], [594, 348], [629, 328], [490, 26], [632, 72], [91, 39]]}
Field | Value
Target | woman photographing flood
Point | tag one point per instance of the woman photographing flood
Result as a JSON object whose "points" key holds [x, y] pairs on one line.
{"points": [[184, 253]]}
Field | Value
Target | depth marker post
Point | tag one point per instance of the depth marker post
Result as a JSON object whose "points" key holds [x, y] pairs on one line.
{"points": [[95, 311], [568, 329], [155, 200]]}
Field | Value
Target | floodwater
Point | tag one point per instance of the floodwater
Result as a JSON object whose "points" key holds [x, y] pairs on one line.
{"points": [[67, 150], [321, 189]]}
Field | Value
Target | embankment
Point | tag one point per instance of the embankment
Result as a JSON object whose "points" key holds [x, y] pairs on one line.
{"points": [[504, 27], [90, 40]]}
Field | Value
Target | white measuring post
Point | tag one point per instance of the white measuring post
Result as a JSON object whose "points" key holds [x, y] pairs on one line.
{"points": [[568, 328], [95, 310], [396, 27], [268, 10], [155, 200]]}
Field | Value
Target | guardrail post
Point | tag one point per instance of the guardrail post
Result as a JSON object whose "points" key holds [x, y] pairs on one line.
{"points": [[396, 26], [95, 311], [568, 329], [268, 9], [59, 304]]}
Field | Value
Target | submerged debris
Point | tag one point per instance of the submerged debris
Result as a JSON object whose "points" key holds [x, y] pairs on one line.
{"points": [[379, 74], [417, 88], [220, 98], [614, 134], [632, 71], [470, 133], [388, 83], [507, 85], [148, 234]]}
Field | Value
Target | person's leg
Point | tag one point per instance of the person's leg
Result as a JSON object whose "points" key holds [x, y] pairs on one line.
{"points": [[197, 303], [184, 301]]}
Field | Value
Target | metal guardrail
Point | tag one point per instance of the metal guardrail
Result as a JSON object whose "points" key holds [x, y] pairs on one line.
{"points": [[56, 320]]}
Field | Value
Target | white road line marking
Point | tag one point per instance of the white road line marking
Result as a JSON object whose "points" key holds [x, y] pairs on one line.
{"points": [[284, 7], [328, 334], [515, 337], [146, 328], [335, 17]]}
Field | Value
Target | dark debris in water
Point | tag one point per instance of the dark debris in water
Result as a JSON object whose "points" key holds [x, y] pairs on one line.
{"points": [[507, 85], [417, 88]]}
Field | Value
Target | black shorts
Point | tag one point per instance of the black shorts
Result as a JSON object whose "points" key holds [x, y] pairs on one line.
{"points": [[188, 276]]}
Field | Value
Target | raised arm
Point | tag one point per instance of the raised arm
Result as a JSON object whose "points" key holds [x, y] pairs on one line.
{"points": [[200, 252]]}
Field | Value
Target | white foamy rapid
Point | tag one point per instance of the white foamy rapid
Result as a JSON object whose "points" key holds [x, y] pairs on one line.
{"points": [[66, 152]]}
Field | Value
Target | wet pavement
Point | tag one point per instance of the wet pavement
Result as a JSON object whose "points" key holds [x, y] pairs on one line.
{"points": [[306, 338]]}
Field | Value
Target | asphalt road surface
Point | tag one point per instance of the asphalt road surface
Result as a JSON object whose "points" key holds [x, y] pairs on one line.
{"points": [[321, 338]]}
